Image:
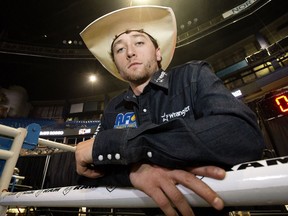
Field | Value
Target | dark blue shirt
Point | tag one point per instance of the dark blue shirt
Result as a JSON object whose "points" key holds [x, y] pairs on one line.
{"points": [[184, 117]]}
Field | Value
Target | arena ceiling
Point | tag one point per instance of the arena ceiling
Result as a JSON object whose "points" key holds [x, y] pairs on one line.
{"points": [[31, 30]]}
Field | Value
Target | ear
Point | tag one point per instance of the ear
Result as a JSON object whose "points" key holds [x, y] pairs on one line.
{"points": [[158, 54]]}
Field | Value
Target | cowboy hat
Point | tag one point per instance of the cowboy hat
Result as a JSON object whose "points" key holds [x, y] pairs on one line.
{"points": [[157, 21]]}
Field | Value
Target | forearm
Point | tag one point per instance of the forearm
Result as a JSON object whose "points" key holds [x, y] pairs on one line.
{"points": [[179, 143], [192, 145]]}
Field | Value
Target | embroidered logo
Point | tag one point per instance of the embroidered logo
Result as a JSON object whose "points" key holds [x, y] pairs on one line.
{"points": [[127, 120], [182, 113], [161, 77], [97, 130]]}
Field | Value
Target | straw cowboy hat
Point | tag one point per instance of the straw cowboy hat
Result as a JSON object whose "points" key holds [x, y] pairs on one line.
{"points": [[157, 21]]}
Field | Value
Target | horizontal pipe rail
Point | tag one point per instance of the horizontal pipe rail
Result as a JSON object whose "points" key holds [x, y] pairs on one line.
{"points": [[255, 183], [5, 155], [52, 144], [8, 131]]}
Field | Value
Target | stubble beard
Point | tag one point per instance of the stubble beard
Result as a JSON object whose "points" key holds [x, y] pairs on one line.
{"points": [[143, 75]]}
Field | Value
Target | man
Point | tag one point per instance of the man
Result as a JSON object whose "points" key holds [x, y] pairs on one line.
{"points": [[169, 125]]}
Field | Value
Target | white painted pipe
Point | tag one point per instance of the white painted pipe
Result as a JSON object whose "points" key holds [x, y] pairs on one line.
{"points": [[52, 144], [19, 136], [8, 131], [11, 161], [11, 155], [18, 177], [263, 182], [4, 154]]}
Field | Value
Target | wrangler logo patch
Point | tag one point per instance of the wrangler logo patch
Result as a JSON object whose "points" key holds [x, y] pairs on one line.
{"points": [[182, 113]]}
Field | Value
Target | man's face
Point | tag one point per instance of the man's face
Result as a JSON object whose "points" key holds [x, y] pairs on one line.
{"points": [[135, 57]]}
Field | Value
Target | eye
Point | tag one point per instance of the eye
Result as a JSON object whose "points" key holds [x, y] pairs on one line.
{"points": [[120, 50], [139, 43]]}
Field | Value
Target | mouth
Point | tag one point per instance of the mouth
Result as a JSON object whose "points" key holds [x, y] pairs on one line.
{"points": [[133, 64]]}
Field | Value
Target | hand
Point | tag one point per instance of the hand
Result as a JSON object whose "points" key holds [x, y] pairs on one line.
{"points": [[160, 184], [84, 160]]}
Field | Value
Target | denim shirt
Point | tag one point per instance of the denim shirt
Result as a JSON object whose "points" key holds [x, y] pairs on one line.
{"points": [[184, 117]]}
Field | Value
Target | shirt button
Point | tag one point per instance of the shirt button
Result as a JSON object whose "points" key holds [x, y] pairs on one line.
{"points": [[117, 156], [149, 154], [144, 110], [109, 156], [100, 158]]}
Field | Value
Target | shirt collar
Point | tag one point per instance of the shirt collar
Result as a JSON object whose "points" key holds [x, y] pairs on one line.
{"points": [[159, 78]]}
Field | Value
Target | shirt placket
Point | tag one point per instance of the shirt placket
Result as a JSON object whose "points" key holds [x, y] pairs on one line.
{"points": [[144, 113]]}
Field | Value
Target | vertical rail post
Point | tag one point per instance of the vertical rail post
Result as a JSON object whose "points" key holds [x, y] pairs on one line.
{"points": [[11, 160]]}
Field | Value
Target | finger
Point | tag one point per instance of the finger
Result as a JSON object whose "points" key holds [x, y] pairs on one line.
{"points": [[162, 201], [200, 188], [177, 198], [88, 170], [90, 173], [208, 171]]}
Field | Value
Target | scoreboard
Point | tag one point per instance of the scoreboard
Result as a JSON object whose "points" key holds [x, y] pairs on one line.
{"points": [[274, 104]]}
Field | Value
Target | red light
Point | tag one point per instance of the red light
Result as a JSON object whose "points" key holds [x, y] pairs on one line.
{"points": [[282, 102]]}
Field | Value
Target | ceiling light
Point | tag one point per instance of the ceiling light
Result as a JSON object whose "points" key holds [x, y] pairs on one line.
{"points": [[92, 78]]}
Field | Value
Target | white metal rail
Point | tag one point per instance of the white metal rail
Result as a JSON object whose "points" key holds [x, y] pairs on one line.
{"points": [[11, 156], [253, 183]]}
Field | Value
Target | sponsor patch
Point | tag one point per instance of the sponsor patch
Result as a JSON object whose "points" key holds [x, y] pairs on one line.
{"points": [[126, 120]]}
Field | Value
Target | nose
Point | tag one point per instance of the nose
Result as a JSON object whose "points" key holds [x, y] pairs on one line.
{"points": [[130, 52]]}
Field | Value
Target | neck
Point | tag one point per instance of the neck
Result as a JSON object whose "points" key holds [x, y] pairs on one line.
{"points": [[138, 89]]}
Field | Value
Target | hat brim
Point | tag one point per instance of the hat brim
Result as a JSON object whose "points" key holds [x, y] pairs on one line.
{"points": [[159, 22]]}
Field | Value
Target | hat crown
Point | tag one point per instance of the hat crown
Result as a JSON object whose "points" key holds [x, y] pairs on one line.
{"points": [[157, 21]]}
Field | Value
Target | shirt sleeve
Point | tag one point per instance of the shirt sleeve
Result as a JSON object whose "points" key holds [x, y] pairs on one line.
{"points": [[224, 132]]}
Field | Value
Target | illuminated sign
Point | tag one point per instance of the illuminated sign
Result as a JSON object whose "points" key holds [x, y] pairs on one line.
{"points": [[51, 133], [275, 105], [237, 93], [84, 131]]}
